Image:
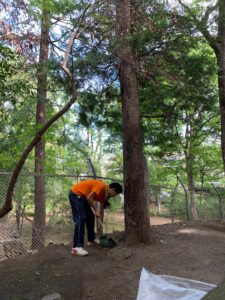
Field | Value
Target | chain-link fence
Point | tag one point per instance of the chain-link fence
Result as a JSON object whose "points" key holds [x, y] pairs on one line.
{"points": [[174, 202], [23, 230], [20, 233], [168, 202]]}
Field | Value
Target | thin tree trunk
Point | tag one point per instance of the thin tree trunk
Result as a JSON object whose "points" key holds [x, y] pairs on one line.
{"points": [[146, 179], [191, 192], [39, 224], [7, 207], [91, 169], [189, 169], [201, 194], [137, 224]]}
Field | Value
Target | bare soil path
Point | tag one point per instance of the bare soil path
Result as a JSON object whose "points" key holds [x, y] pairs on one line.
{"points": [[194, 251]]}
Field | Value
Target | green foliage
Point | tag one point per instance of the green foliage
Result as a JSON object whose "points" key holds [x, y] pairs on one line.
{"points": [[53, 6], [115, 204], [208, 163], [183, 95], [178, 89], [101, 110], [59, 222], [13, 78]]}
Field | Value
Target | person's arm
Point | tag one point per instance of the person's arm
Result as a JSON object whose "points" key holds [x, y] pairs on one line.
{"points": [[91, 201]]}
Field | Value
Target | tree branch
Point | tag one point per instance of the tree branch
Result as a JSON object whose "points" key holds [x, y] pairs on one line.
{"points": [[162, 116], [7, 207], [211, 40]]}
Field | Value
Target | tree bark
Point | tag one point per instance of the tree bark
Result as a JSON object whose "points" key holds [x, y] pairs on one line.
{"points": [[190, 178], [218, 46], [191, 191], [137, 224], [146, 179], [39, 223]]}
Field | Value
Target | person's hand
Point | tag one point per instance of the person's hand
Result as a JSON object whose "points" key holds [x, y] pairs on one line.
{"points": [[96, 212]]}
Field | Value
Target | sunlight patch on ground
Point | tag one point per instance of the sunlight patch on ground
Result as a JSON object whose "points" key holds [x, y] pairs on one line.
{"points": [[193, 231]]}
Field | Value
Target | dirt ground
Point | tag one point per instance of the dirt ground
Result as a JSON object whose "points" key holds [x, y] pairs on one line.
{"points": [[194, 251]]}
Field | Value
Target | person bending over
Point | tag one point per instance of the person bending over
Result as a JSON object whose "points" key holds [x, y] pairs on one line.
{"points": [[82, 198]]}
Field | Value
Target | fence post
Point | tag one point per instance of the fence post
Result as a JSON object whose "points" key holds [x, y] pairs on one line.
{"points": [[186, 197], [220, 201]]}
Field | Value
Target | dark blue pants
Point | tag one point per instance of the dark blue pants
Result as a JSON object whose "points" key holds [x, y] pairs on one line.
{"points": [[82, 214]]}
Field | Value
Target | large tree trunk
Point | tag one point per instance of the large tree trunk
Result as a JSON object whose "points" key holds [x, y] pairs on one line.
{"points": [[137, 224], [220, 54], [221, 85], [38, 235]]}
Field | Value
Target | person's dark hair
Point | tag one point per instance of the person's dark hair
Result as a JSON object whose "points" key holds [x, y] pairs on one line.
{"points": [[116, 186]]}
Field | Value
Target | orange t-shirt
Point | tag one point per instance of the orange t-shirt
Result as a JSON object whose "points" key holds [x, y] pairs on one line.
{"points": [[84, 188]]}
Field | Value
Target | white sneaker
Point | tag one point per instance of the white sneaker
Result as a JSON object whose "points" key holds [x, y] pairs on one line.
{"points": [[79, 251], [96, 242]]}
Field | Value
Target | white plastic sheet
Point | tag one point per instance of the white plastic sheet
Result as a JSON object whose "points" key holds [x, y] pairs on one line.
{"points": [[163, 287]]}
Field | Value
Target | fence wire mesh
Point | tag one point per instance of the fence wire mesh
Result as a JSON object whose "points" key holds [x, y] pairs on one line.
{"points": [[25, 231], [168, 202], [174, 202], [22, 231]]}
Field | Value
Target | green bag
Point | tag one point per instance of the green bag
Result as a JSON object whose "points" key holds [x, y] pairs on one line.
{"points": [[106, 241]]}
